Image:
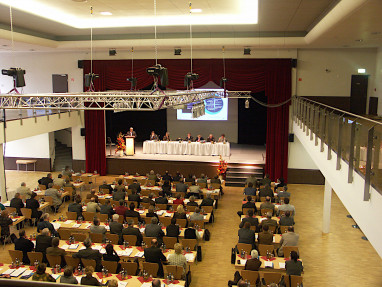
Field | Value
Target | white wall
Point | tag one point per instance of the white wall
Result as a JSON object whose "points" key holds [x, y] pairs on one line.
{"points": [[78, 141], [378, 81], [298, 158], [365, 213], [35, 147]]}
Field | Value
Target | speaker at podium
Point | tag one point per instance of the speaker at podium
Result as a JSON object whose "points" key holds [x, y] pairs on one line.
{"points": [[130, 145]]}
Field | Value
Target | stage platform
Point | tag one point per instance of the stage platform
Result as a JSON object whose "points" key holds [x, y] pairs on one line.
{"points": [[142, 163]]}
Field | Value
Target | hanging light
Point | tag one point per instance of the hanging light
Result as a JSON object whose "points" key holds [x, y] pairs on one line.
{"points": [[247, 104]]}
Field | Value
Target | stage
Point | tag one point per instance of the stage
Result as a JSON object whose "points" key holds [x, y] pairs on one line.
{"points": [[143, 163]]}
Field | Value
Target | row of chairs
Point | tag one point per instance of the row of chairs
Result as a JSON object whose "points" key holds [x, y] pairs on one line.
{"points": [[270, 277], [263, 211], [264, 249]]}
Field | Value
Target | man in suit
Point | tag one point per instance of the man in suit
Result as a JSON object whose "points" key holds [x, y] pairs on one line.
{"points": [[287, 207], [166, 137], [268, 205], [131, 230], [33, 204], [46, 224], [149, 199], [167, 176], [132, 213], [135, 186], [89, 253], [251, 179], [247, 235], [250, 190], [119, 195], [17, 203], [248, 204], [192, 201], [202, 179], [97, 228], [134, 197], [92, 194], [153, 136], [104, 185], [131, 133], [154, 230], [210, 138], [107, 208], [266, 191], [189, 137], [268, 220], [286, 220], [24, 190], [59, 181], [154, 254], [46, 180], [253, 221], [152, 176], [265, 180], [25, 245], [199, 138], [195, 190], [172, 230], [52, 192], [115, 226], [284, 193], [43, 241], [196, 215], [254, 263], [178, 176], [161, 199], [120, 186], [288, 239], [208, 201], [56, 251], [181, 187], [92, 206], [67, 172], [265, 237], [76, 206]]}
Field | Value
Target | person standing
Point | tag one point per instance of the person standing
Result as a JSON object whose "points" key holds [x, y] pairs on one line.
{"points": [[131, 133]]}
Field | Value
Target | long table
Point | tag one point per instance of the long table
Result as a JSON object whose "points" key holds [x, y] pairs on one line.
{"points": [[186, 148], [276, 264]]}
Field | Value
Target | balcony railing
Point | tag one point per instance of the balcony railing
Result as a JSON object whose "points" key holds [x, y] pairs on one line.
{"points": [[349, 137]]}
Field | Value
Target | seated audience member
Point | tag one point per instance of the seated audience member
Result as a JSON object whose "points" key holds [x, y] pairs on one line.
{"points": [[216, 179], [17, 203], [69, 184], [119, 195], [132, 213], [252, 264], [67, 277], [180, 213], [33, 204], [222, 138], [121, 209], [57, 251], [199, 138], [46, 180], [202, 179], [196, 215], [288, 239], [154, 254], [191, 232], [247, 235], [76, 206], [92, 194], [181, 187], [89, 253], [151, 212], [43, 241], [177, 176], [283, 193], [131, 230], [106, 208], [5, 222], [135, 186], [265, 237], [134, 197], [248, 204], [114, 283], [210, 138], [97, 228], [111, 255], [252, 178], [161, 199], [55, 195], [24, 190], [293, 266], [166, 188], [268, 205], [88, 279], [287, 207], [207, 201], [173, 230], [152, 176], [153, 136], [166, 137], [190, 178], [195, 191], [192, 201], [189, 137], [280, 182], [167, 177], [25, 245], [286, 220], [59, 181], [253, 221], [120, 186], [179, 199], [46, 224], [266, 191], [154, 230], [266, 180], [41, 275], [115, 226], [250, 190], [104, 186], [67, 172], [2, 207], [149, 199], [178, 258], [92, 206], [268, 220]]}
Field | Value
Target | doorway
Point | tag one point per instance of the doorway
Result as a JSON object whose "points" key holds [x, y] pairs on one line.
{"points": [[358, 94]]}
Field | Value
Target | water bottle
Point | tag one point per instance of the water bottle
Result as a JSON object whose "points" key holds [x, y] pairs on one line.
{"points": [[17, 262], [79, 269], [35, 264]]}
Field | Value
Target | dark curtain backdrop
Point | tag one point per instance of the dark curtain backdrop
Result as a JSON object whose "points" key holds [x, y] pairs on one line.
{"points": [[273, 76]]}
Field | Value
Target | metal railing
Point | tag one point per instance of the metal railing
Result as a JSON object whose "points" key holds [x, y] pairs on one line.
{"points": [[355, 139]]}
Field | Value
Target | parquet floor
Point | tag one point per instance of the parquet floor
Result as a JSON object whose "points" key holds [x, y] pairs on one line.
{"points": [[340, 258]]}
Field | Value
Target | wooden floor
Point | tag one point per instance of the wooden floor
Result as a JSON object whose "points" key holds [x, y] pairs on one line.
{"points": [[340, 258]]}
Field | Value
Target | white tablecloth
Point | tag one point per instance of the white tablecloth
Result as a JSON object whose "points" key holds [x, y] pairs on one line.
{"points": [[186, 148]]}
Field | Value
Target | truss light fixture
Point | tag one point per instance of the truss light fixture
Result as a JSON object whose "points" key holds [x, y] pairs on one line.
{"points": [[247, 103], [177, 51], [247, 51], [112, 52]]}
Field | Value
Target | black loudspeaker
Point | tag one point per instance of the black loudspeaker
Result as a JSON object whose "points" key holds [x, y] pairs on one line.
{"points": [[294, 63], [83, 132], [291, 138], [80, 64]]}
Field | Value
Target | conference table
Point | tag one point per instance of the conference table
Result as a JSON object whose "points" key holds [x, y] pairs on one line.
{"points": [[186, 148], [275, 264]]}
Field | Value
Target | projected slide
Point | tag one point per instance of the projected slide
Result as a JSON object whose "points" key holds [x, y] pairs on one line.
{"points": [[215, 110]]}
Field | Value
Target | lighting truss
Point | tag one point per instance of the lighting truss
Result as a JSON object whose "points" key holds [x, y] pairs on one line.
{"points": [[111, 100]]}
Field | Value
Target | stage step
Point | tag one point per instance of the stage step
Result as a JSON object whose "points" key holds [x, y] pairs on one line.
{"points": [[237, 173], [63, 157]]}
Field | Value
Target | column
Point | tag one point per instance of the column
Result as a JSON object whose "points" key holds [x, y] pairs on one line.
{"points": [[3, 192], [327, 205]]}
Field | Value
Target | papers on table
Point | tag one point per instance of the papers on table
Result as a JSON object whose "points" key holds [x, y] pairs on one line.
{"points": [[268, 264], [7, 272], [107, 227], [126, 252], [69, 221], [7, 204], [97, 247], [55, 276], [77, 225], [168, 214], [82, 248], [160, 212], [78, 279], [65, 246], [14, 219], [56, 225], [205, 216], [27, 272], [147, 284], [73, 246], [87, 225], [282, 265], [139, 254], [18, 272], [141, 211], [141, 230], [274, 239], [243, 261], [122, 284], [190, 257], [173, 285], [256, 236], [201, 233]]}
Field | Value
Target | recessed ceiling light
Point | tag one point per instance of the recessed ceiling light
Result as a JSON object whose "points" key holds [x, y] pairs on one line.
{"points": [[106, 13], [196, 10], [359, 40]]}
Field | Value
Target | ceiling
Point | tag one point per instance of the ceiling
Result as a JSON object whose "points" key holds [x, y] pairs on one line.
{"points": [[280, 23]]}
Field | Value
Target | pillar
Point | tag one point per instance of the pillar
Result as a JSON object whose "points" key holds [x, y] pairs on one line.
{"points": [[327, 205], [3, 189]]}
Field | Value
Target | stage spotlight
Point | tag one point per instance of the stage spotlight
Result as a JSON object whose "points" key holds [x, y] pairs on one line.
{"points": [[159, 72], [177, 51], [222, 81], [247, 51], [17, 74], [247, 104], [133, 82], [112, 52], [89, 79]]}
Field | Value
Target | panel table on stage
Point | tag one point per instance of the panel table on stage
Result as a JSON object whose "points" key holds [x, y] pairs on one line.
{"points": [[186, 148], [131, 281]]}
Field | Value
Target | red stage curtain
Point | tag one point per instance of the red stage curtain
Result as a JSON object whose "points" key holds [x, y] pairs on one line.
{"points": [[270, 75]]}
